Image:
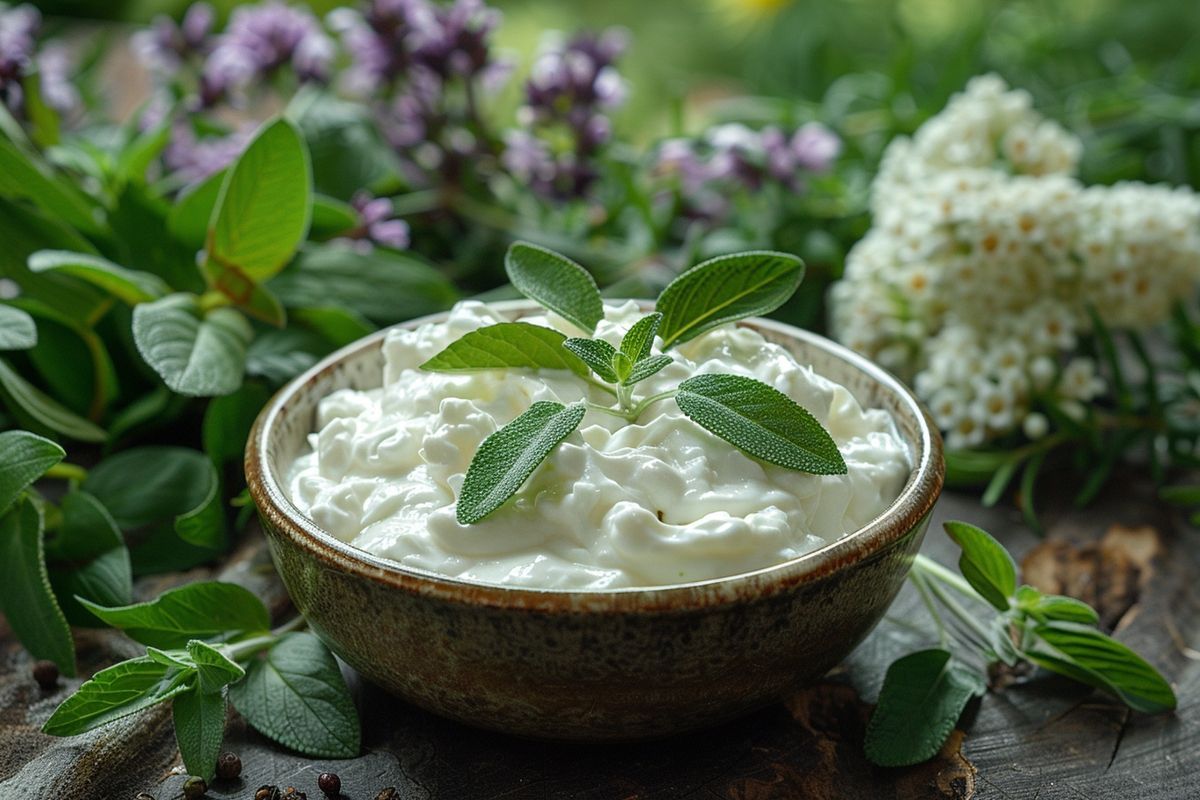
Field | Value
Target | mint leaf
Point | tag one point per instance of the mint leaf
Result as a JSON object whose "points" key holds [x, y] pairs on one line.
{"points": [[196, 353], [505, 345], [17, 329], [638, 340], [597, 354], [25, 593], [510, 455], [725, 289], [647, 367], [985, 563], [120, 690], [263, 211], [24, 457], [199, 719], [556, 282], [1085, 654], [622, 365], [196, 611], [923, 695], [214, 670], [761, 421], [296, 696], [87, 557], [127, 285], [43, 411]]}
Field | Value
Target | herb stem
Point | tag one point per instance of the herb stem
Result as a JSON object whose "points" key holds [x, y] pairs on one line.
{"points": [[918, 580], [646, 402], [600, 385], [952, 605], [616, 412], [249, 647], [929, 568], [67, 472]]}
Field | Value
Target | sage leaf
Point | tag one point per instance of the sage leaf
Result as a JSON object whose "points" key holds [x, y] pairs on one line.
{"points": [[760, 421], [43, 411], [923, 695], [1085, 654], [638, 340], [24, 457], [510, 455], [341, 326], [726, 289], [87, 557], [556, 282], [263, 211], [127, 285], [228, 419], [25, 593], [115, 692], [1064, 609], [199, 719], [281, 355], [985, 563], [196, 353], [245, 292], [647, 367], [597, 354], [26, 176], [214, 670], [296, 695], [505, 345], [195, 611], [17, 329]]}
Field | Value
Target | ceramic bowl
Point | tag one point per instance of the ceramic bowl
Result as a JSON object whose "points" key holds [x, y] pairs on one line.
{"points": [[592, 665]]}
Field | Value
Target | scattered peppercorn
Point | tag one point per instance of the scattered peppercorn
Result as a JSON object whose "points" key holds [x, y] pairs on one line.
{"points": [[267, 793], [229, 766], [46, 674], [389, 793], [292, 793], [194, 788], [330, 784]]}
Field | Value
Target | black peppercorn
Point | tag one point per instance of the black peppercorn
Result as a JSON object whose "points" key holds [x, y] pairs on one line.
{"points": [[46, 674], [194, 788], [389, 793], [330, 784], [267, 793], [229, 766]]}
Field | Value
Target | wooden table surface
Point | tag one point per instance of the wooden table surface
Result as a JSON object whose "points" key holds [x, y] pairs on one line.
{"points": [[1039, 738]]}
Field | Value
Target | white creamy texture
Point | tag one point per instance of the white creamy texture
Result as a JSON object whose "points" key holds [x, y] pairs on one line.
{"points": [[616, 505]]}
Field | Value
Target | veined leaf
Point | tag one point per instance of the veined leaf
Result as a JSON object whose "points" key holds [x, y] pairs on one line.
{"points": [[245, 292], [597, 354], [25, 592], [638, 340], [120, 690], [188, 219], [510, 455], [556, 282], [44, 410], [228, 419], [505, 345], [87, 557], [985, 563], [196, 353], [214, 670], [24, 176], [17, 329], [195, 611], [24, 457], [647, 367], [128, 285], [199, 719], [761, 421], [726, 289]]}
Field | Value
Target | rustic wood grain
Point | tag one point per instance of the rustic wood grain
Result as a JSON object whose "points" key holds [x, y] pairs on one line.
{"points": [[1038, 738]]}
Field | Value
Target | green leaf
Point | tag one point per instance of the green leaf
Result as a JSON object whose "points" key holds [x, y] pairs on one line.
{"points": [[296, 695], [244, 292], [556, 282], [25, 592], [128, 285], [199, 719], [17, 329], [999, 481], [214, 670], [923, 695], [23, 231], [228, 419], [281, 355], [263, 211], [597, 354], [195, 611], [141, 150], [638, 340], [120, 690], [25, 176], [188, 219], [505, 345], [43, 410], [196, 353], [1086, 655], [42, 118], [985, 563], [761, 421], [1065, 609], [648, 367], [726, 289], [510, 455], [24, 457], [340, 326], [87, 557], [331, 216]]}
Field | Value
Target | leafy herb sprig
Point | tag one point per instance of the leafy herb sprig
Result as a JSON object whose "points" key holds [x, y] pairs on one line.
{"points": [[925, 692], [756, 418]]}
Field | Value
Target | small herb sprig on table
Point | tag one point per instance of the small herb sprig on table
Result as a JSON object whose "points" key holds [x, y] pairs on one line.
{"points": [[991, 620], [756, 418]]}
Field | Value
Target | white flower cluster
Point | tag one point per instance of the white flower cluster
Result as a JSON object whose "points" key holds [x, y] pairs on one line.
{"points": [[985, 255]]}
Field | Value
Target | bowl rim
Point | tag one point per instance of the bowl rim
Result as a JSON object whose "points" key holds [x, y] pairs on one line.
{"points": [[911, 506]]}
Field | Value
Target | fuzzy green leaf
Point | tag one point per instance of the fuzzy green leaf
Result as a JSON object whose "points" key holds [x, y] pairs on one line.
{"points": [[17, 329], [761, 421], [647, 367], [556, 282], [24, 457], [199, 719], [510, 455], [115, 692], [597, 354], [197, 354], [505, 345], [127, 285], [25, 593], [195, 611], [985, 563], [1055, 607], [214, 670], [638, 340], [43, 410]]}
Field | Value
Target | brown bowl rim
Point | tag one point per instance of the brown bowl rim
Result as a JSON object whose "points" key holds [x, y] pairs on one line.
{"points": [[914, 502]]}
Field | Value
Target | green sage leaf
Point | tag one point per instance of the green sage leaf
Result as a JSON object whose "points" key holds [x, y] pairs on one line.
{"points": [[24, 457], [115, 692], [923, 695], [25, 176], [296, 695], [214, 669], [87, 558], [44, 411], [245, 292], [638, 340], [510, 455], [505, 345], [726, 289], [25, 593], [17, 329], [195, 611], [761, 421], [597, 354], [647, 367], [127, 285], [199, 719], [196, 353], [556, 282], [340, 326], [188, 219], [228, 419], [985, 563]]}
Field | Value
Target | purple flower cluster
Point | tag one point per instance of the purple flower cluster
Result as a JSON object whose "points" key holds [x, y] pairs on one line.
{"points": [[378, 224], [190, 159], [20, 55], [572, 87], [733, 157], [166, 46]]}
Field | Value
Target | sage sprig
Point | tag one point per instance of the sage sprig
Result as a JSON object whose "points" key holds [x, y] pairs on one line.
{"points": [[924, 693], [759, 420]]}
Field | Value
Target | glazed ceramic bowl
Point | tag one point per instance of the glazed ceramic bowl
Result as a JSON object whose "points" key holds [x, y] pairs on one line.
{"points": [[591, 665]]}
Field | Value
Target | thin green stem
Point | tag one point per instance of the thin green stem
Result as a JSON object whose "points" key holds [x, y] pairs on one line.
{"points": [[615, 412], [964, 616], [643, 404], [67, 472], [625, 397], [249, 647], [930, 568], [919, 581]]}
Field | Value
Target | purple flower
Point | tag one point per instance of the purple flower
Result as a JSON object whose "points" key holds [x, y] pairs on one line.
{"points": [[378, 224], [815, 147], [453, 40], [19, 55], [190, 159], [165, 45]]}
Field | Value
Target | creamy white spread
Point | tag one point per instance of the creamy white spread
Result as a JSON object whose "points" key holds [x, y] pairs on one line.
{"points": [[657, 502]]}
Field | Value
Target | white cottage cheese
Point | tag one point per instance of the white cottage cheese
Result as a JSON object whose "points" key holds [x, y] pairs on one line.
{"points": [[616, 505]]}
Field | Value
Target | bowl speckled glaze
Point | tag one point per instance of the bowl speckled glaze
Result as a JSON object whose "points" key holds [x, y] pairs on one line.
{"points": [[611, 665]]}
